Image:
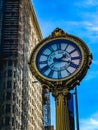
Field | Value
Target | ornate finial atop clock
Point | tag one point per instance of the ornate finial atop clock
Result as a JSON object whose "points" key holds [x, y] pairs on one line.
{"points": [[58, 32]]}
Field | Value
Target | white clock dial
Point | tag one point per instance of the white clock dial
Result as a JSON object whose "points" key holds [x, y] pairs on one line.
{"points": [[58, 59]]}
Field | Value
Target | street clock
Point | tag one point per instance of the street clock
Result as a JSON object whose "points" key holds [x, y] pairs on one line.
{"points": [[60, 61]]}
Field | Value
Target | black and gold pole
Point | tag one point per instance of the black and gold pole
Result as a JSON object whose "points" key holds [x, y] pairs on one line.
{"points": [[57, 61]]}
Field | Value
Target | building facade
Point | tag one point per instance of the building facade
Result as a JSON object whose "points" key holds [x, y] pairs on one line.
{"points": [[20, 94]]}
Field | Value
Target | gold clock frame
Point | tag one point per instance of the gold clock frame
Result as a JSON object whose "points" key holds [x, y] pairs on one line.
{"points": [[70, 81]]}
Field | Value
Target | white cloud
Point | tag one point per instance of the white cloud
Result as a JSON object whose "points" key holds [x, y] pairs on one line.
{"points": [[92, 26], [95, 28], [87, 3], [89, 28], [89, 123], [91, 2]]}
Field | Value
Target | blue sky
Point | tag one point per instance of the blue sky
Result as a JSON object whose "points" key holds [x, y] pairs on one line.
{"points": [[79, 18]]}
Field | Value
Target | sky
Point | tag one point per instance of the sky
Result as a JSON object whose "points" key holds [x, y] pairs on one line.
{"points": [[80, 18]]}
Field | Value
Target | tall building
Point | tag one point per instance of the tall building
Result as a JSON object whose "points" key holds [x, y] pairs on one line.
{"points": [[20, 94]]}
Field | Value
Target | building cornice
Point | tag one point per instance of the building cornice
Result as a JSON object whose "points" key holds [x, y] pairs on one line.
{"points": [[36, 25]]}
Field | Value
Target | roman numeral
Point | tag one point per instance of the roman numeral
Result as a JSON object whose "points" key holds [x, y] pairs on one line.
{"points": [[73, 65], [51, 49], [68, 72], [51, 74], [66, 46], [43, 62], [45, 54], [76, 58], [72, 51], [58, 46], [59, 75], [45, 68]]}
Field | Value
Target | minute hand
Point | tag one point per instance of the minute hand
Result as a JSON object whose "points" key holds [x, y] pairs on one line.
{"points": [[72, 64], [61, 60], [65, 60]]}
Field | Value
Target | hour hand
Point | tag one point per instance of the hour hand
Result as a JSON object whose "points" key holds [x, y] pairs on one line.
{"points": [[62, 59], [65, 56], [55, 61], [51, 65]]}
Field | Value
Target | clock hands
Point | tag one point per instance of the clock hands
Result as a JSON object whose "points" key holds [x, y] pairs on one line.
{"points": [[51, 65], [65, 58], [61, 60], [57, 60]]}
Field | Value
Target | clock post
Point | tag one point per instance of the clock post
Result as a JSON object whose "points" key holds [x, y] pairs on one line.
{"points": [[60, 62], [62, 114]]}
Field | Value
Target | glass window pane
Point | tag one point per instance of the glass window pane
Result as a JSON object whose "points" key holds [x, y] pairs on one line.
{"points": [[9, 84], [8, 108], [9, 73], [8, 96], [12, 121], [7, 120], [9, 63]]}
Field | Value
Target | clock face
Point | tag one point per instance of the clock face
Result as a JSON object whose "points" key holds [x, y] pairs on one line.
{"points": [[58, 59]]}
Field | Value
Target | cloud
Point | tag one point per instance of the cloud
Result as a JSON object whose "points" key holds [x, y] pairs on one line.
{"points": [[87, 3], [84, 24], [91, 2], [89, 28], [89, 123], [92, 26]]}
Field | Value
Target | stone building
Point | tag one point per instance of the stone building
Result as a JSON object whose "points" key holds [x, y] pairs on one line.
{"points": [[20, 94]]}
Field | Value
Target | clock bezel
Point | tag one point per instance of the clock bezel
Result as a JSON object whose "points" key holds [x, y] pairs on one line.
{"points": [[71, 80]]}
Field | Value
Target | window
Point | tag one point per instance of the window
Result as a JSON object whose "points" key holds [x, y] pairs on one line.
{"points": [[12, 121], [9, 63], [9, 73], [14, 96], [7, 120], [8, 96], [5, 74], [14, 85], [14, 73], [8, 108], [13, 108], [3, 110], [4, 85], [2, 121], [3, 96], [9, 84]]}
